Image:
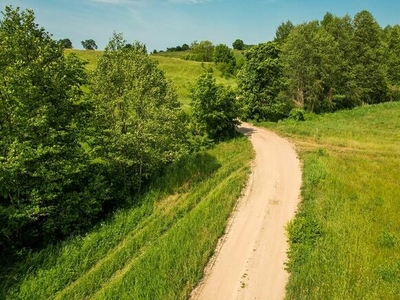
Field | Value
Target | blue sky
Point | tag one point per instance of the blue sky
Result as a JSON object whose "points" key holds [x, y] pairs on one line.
{"points": [[165, 23]]}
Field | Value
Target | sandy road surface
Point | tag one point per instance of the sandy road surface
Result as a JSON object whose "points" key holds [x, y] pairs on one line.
{"points": [[249, 263]]}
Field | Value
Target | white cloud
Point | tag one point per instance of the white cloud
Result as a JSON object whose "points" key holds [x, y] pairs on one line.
{"points": [[120, 1], [188, 1]]}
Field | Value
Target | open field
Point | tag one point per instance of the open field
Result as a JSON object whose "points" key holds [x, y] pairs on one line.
{"points": [[345, 238], [155, 249], [182, 73]]}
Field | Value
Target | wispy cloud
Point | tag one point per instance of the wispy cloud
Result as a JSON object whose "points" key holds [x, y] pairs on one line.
{"points": [[188, 1], [139, 2]]}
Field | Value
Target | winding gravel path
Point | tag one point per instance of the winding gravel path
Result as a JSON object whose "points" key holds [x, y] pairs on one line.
{"points": [[249, 261]]}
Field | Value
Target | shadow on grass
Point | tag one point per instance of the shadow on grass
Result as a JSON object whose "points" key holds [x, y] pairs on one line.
{"points": [[178, 177]]}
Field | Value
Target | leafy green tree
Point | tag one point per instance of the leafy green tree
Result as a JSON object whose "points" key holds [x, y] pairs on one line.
{"points": [[260, 84], [214, 109], [370, 67], [203, 51], [185, 47], [66, 43], [46, 185], [89, 44], [283, 31], [392, 37], [224, 59], [138, 126], [345, 89], [238, 44], [312, 65]]}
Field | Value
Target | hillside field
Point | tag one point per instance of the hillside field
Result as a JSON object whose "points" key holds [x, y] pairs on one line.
{"points": [[345, 240], [182, 73]]}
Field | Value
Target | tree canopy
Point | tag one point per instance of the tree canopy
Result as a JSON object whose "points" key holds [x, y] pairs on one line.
{"points": [[45, 187], [336, 63], [203, 51], [225, 60], [214, 109], [66, 43], [89, 44], [238, 44], [137, 115]]}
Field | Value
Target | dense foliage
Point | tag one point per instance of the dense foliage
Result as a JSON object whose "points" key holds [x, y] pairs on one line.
{"points": [[225, 60], [67, 158], [260, 84], [214, 110], [89, 44], [66, 43], [137, 116], [45, 185], [321, 66], [238, 44]]}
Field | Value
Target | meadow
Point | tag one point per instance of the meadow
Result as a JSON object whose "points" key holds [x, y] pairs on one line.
{"points": [[156, 249], [345, 241], [182, 73]]}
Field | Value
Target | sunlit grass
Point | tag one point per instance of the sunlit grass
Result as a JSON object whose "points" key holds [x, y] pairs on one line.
{"points": [[156, 249], [345, 240], [182, 73]]}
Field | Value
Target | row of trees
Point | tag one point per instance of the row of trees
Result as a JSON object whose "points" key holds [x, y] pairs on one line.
{"points": [[67, 158], [321, 66], [89, 44]]}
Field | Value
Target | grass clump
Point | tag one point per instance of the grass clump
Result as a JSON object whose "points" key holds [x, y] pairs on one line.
{"points": [[156, 249], [344, 241]]}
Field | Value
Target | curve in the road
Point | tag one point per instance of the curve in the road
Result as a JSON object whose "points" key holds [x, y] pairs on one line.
{"points": [[249, 263]]}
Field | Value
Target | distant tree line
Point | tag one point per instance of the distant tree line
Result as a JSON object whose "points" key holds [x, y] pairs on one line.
{"points": [[68, 158], [184, 47], [321, 66], [89, 44]]}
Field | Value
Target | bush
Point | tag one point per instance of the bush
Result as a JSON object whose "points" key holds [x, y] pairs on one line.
{"points": [[297, 114]]}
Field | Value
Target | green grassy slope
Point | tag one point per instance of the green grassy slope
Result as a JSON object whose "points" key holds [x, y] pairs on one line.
{"points": [[156, 249], [90, 56], [182, 73], [346, 236]]}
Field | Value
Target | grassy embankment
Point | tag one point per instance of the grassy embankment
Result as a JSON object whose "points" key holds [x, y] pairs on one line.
{"points": [[346, 236], [156, 249], [182, 73]]}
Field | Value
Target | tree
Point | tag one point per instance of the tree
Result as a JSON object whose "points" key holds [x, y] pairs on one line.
{"points": [[89, 44], [66, 43], [283, 31], [312, 65], [138, 125], [369, 62], [46, 185], [185, 47], [260, 83], [203, 51], [214, 109], [392, 37], [225, 60], [238, 44]]}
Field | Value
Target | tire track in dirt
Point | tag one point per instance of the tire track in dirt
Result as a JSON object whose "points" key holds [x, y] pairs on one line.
{"points": [[249, 261]]}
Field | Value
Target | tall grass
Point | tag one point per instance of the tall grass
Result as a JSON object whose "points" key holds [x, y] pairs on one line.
{"points": [[155, 249], [345, 239]]}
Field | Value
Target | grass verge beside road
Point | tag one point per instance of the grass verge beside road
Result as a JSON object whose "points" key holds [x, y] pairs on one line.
{"points": [[345, 239], [156, 249]]}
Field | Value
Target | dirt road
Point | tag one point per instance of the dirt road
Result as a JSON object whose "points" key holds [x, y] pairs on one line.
{"points": [[249, 262]]}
